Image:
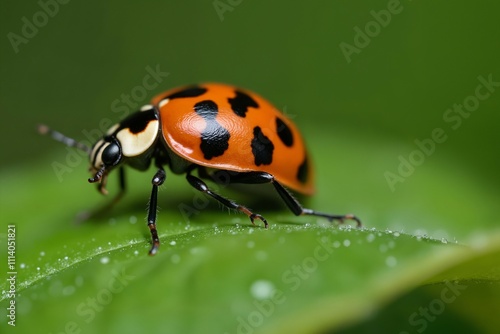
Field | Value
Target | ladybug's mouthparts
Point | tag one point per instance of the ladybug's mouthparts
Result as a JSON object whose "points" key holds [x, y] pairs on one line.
{"points": [[101, 176], [98, 175]]}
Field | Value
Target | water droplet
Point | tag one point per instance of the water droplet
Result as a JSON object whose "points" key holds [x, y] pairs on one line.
{"points": [[262, 289], [136, 252], [104, 260], [173, 243], [250, 244], [79, 281], [261, 255], [42, 253], [391, 261], [198, 250], [175, 258], [22, 266], [396, 234], [68, 290], [250, 230], [38, 268], [347, 242], [370, 237], [444, 241], [336, 244], [132, 219]]}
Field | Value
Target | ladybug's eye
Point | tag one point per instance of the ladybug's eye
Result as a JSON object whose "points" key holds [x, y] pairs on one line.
{"points": [[111, 154]]}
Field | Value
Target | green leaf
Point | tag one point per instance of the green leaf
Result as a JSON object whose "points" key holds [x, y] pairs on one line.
{"points": [[301, 275]]}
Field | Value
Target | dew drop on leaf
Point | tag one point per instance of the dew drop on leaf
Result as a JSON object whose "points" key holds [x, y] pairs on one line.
{"points": [[391, 261], [262, 289], [370, 237]]}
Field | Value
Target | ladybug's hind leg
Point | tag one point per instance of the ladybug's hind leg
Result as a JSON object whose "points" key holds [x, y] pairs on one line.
{"points": [[290, 201], [201, 186]]}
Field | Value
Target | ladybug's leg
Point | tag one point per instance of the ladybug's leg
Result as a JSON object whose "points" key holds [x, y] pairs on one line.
{"points": [[201, 186], [158, 180], [290, 201]]}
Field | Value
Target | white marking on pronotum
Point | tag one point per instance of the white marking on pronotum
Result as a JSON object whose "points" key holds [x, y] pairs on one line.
{"points": [[163, 102], [134, 144], [146, 107], [112, 129]]}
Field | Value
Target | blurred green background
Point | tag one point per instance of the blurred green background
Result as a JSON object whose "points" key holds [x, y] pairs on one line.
{"points": [[359, 113]]}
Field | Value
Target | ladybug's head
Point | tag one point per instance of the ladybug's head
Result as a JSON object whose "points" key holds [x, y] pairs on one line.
{"points": [[131, 141], [104, 156]]}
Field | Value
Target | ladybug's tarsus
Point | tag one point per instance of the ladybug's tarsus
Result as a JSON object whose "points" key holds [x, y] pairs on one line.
{"points": [[254, 216], [340, 218]]}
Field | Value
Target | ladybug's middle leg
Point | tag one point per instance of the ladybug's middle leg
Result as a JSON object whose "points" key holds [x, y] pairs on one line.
{"points": [[201, 186]]}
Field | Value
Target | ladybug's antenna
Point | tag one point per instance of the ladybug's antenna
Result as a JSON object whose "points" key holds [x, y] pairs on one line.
{"points": [[45, 130]]}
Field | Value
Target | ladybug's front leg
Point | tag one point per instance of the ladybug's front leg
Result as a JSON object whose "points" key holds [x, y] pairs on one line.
{"points": [[158, 180], [201, 186]]}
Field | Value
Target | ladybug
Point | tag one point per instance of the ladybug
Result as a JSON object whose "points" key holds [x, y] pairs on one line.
{"points": [[224, 133]]}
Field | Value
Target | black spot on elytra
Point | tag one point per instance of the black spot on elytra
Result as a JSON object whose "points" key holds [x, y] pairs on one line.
{"points": [[241, 102], [284, 132], [303, 171], [138, 121], [188, 92], [214, 138], [262, 148]]}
